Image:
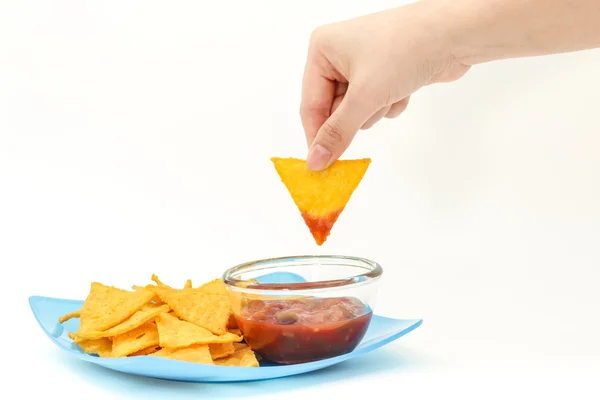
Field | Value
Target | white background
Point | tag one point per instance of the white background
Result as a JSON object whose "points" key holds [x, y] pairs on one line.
{"points": [[135, 138]]}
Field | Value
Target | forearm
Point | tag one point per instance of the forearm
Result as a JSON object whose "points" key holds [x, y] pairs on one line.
{"points": [[486, 30]]}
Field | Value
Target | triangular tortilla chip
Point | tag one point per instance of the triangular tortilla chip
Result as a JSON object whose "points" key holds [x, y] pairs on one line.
{"points": [[210, 311], [221, 350], [145, 314], [175, 333], [197, 353], [142, 337], [107, 306], [321, 196], [216, 286], [101, 347], [243, 357]]}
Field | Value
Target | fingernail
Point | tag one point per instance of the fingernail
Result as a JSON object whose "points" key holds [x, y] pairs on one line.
{"points": [[318, 158]]}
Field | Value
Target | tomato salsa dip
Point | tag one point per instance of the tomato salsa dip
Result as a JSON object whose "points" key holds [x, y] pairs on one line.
{"points": [[297, 330]]}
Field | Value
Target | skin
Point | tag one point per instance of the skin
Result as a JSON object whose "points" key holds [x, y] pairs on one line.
{"points": [[364, 69]]}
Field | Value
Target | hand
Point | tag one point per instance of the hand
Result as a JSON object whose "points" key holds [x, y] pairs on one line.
{"points": [[361, 70]]}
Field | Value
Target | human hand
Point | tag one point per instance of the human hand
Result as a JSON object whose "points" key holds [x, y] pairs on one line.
{"points": [[362, 70]]}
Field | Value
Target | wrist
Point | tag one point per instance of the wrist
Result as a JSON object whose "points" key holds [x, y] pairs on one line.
{"points": [[466, 29]]}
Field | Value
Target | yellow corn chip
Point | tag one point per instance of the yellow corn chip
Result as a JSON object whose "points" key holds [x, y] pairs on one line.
{"points": [[107, 306], [320, 196], [66, 317], [159, 283], [145, 314], [188, 283], [155, 299], [101, 347], [232, 323], [239, 346], [215, 286], [235, 331], [196, 353], [77, 339], [137, 339], [162, 290], [210, 311], [175, 333], [221, 350], [145, 352], [243, 357]]}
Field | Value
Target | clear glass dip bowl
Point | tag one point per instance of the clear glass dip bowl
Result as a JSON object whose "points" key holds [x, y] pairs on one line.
{"points": [[303, 308]]}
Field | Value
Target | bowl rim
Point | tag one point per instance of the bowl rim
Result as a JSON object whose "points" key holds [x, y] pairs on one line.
{"points": [[248, 286]]}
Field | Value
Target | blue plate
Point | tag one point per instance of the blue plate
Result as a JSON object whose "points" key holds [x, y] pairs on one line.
{"points": [[47, 310]]}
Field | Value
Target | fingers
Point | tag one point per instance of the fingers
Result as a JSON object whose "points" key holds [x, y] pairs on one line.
{"points": [[336, 133], [391, 111], [318, 93], [398, 108], [375, 117]]}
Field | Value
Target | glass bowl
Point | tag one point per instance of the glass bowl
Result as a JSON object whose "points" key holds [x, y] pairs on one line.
{"points": [[303, 308]]}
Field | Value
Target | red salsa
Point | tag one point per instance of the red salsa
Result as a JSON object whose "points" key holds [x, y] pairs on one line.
{"points": [[302, 330]]}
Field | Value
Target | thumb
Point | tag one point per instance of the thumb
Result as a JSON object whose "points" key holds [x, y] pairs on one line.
{"points": [[337, 132]]}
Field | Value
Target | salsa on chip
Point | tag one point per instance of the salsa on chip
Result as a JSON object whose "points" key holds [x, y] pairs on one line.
{"points": [[320, 196]]}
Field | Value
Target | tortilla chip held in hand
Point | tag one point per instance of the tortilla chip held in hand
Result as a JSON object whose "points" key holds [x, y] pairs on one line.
{"points": [[321, 196]]}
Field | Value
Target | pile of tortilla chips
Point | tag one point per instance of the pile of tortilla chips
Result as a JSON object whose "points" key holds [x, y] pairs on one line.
{"points": [[189, 324]]}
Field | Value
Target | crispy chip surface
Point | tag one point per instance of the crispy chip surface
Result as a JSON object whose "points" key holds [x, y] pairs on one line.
{"points": [[155, 299], [215, 286], [243, 357], [210, 311], [158, 282], [220, 350], [239, 346], [235, 331], [196, 353], [101, 347], [232, 323], [145, 352], [175, 333], [321, 196], [107, 306], [135, 340], [145, 314], [162, 290]]}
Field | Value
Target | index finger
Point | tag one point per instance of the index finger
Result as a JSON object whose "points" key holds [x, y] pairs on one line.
{"points": [[318, 93]]}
